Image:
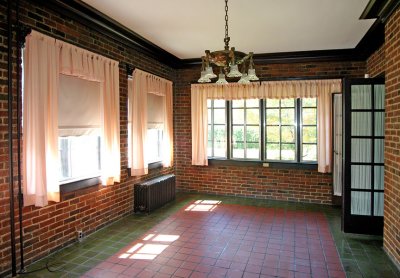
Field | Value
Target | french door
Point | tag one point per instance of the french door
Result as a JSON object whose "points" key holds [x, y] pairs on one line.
{"points": [[364, 130]]}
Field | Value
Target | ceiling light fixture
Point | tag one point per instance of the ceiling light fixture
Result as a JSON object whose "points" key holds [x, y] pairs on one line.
{"points": [[228, 61]]}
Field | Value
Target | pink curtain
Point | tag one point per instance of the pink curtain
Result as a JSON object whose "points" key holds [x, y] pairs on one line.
{"points": [[44, 59], [40, 121], [325, 89], [321, 89], [144, 83]]}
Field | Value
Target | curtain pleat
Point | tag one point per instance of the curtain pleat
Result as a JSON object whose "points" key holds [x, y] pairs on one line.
{"points": [[40, 121]]}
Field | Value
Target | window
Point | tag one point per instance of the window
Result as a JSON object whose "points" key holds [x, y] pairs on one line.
{"points": [[276, 130], [246, 129], [280, 129], [79, 140], [216, 128]]}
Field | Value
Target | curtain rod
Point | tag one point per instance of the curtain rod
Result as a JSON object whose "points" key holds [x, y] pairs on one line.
{"points": [[26, 30], [286, 79], [130, 68]]}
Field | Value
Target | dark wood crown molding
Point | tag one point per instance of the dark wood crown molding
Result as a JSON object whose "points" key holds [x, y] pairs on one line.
{"points": [[380, 9]]}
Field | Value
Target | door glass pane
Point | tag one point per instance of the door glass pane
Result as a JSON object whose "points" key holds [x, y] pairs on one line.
{"points": [[361, 97], [378, 204], [360, 150], [361, 124], [379, 150], [378, 177], [273, 151], [360, 203], [379, 96], [360, 176], [379, 123]]}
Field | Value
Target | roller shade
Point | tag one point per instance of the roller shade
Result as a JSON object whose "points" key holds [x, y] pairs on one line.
{"points": [[155, 111], [79, 107]]}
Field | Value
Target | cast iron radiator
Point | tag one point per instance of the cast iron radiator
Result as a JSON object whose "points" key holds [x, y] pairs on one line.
{"points": [[152, 194]]}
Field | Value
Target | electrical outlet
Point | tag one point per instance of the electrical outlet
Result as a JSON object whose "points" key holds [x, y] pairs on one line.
{"points": [[265, 164], [80, 236]]}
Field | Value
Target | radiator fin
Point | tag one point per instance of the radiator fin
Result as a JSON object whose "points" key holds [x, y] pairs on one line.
{"points": [[152, 194]]}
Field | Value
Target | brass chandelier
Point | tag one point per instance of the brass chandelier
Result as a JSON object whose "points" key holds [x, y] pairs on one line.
{"points": [[228, 61]]}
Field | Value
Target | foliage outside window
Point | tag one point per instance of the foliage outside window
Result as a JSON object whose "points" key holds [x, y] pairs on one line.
{"points": [[289, 129]]}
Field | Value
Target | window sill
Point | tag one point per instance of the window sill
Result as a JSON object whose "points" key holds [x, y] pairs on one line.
{"points": [[150, 166], [76, 188], [253, 163]]}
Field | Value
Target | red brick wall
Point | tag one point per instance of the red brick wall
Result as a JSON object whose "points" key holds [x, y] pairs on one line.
{"points": [[392, 138], [49, 228], [257, 182], [376, 63]]}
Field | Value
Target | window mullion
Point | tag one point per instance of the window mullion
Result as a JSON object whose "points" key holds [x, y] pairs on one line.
{"points": [[228, 125], [262, 130], [299, 122]]}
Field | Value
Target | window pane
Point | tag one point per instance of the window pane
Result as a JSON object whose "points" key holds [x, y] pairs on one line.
{"points": [[79, 156], [252, 103], [237, 134], [220, 149], [238, 142], [288, 152], [273, 134], [209, 133], [287, 102], [272, 103], [253, 134], [288, 116], [309, 116], [309, 153], [288, 134], [237, 103], [272, 117], [219, 141], [253, 150], [219, 103], [273, 151], [154, 142], [219, 116], [253, 116], [238, 116], [309, 102], [309, 134]]}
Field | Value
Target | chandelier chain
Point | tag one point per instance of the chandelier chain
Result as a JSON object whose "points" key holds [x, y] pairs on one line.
{"points": [[226, 18], [226, 40]]}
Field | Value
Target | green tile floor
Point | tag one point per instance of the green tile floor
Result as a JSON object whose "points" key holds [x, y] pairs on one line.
{"points": [[362, 256]]}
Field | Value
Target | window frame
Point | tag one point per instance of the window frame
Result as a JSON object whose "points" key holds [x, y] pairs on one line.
{"points": [[263, 162]]}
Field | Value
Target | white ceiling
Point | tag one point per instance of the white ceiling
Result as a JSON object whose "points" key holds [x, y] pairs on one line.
{"points": [[186, 28]]}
